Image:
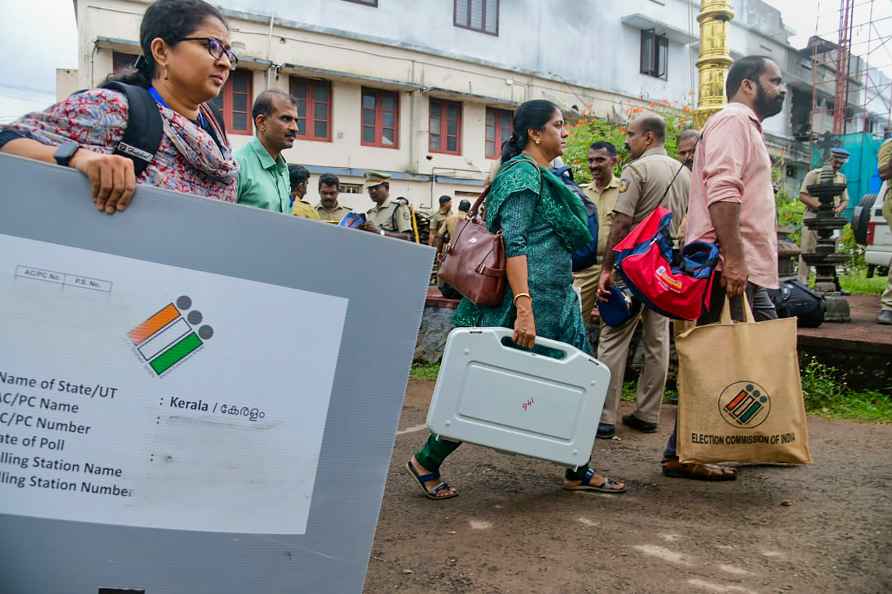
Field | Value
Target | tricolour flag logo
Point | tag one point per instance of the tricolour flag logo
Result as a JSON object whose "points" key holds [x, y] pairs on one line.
{"points": [[169, 336]]}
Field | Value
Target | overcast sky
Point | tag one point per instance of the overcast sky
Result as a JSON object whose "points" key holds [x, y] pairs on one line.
{"points": [[38, 36]]}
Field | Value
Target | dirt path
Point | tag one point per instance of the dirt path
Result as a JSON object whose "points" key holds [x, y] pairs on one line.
{"points": [[822, 528]]}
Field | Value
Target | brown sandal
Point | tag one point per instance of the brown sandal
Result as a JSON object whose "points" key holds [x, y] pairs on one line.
{"points": [[699, 472]]}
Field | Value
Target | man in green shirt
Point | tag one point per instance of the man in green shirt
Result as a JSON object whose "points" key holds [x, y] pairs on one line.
{"points": [[263, 180]]}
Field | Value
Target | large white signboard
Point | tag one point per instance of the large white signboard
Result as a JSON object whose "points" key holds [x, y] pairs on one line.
{"points": [[148, 395], [190, 391]]}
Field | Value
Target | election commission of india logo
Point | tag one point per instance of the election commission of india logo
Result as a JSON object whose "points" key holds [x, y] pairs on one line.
{"points": [[170, 336], [744, 405]]}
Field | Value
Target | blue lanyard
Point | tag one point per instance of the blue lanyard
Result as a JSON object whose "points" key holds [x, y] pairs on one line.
{"points": [[160, 101]]}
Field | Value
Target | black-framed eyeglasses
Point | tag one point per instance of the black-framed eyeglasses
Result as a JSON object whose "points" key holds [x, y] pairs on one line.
{"points": [[216, 49]]}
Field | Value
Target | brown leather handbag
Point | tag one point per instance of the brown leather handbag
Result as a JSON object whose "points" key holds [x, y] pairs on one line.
{"points": [[475, 260]]}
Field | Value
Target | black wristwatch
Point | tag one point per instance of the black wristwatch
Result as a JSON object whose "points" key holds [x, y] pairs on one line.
{"points": [[65, 152]]}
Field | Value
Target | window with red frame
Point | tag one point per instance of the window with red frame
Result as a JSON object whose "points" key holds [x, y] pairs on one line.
{"points": [[120, 61], [445, 127], [235, 102], [313, 99], [380, 118], [498, 130]]}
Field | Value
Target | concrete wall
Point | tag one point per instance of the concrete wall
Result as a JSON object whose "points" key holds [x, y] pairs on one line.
{"points": [[579, 41], [583, 53], [66, 82]]}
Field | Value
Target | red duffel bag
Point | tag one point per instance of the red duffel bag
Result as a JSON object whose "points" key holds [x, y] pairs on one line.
{"points": [[675, 284]]}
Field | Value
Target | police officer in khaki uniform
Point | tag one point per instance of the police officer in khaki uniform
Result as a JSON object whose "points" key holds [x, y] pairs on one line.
{"points": [[328, 208], [387, 217], [808, 238], [438, 219], [603, 192], [653, 179]]}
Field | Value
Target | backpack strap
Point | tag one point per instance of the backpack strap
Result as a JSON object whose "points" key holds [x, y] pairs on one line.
{"points": [[396, 209], [142, 137], [395, 212], [215, 117], [218, 116]]}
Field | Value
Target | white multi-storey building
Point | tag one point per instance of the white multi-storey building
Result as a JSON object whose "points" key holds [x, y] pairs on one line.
{"points": [[424, 89]]}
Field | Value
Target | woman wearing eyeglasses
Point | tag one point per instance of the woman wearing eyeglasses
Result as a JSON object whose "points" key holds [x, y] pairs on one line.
{"points": [[186, 59]]}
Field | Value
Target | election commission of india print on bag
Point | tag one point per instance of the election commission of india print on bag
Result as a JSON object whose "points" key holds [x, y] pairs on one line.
{"points": [[740, 393]]}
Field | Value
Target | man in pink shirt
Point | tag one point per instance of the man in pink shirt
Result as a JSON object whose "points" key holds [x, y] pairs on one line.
{"points": [[732, 204]]}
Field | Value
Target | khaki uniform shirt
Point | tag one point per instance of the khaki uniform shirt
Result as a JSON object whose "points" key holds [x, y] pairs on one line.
{"points": [[884, 155], [605, 200], [391, 216], [450, 225], [304, 210], [331, 216], [437, 221], [644, 182], [814, 177]]}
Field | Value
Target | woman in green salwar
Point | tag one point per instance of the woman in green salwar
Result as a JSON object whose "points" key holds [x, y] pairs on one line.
{"points": [[543, 223]]}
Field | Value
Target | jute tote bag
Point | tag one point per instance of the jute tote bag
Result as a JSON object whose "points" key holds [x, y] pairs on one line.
{"points": [[740, 394]]}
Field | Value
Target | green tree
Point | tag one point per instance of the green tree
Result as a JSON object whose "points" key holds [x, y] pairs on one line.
{"points": [[587, 130]]}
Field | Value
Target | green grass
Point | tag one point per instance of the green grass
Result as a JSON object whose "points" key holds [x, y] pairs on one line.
{"points": [[823, 387], [425, 371], [827, 394], [857, 283]]}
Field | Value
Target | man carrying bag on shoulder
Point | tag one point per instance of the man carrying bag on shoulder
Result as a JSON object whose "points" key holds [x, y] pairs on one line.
{"points": [[731, 203]]}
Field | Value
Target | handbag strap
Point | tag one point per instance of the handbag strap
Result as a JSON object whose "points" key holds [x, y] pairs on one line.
{"points": [[475, 209], [472, 214], [481, 199]]}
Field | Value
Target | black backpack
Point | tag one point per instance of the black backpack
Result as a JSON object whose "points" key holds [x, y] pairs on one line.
{"points": [[142, 137], [793, 299]]}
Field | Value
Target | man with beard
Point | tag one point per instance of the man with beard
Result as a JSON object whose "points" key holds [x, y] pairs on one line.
{"points": [[652, 180], [263, 179], [732, 204]]}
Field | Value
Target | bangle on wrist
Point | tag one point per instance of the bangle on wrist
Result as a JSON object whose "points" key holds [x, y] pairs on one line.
{"points": [[519, 295]]}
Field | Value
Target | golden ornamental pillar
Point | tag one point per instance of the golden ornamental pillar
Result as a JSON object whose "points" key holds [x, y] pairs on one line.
{"points": [[715, 59]]}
